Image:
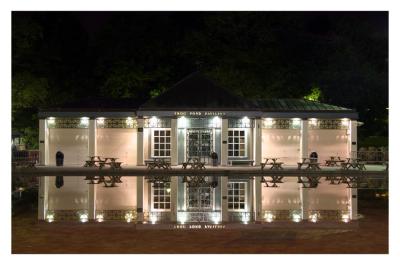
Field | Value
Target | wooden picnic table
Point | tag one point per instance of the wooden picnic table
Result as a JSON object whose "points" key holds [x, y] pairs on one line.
{"points": [[159, 163], [112, 159], [334, 161], [273, 164], [310, 164], [194, 163], [353, 163]]}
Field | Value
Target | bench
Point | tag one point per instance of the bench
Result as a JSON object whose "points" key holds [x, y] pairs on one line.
{"points": [[274, 165], [310, 165], [242, 161]]}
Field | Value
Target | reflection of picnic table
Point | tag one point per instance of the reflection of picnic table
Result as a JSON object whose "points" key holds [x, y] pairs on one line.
{"points": [[311, 164], [158, 163], [334, 161], [353, 163], [273, 164], [194, 163]]}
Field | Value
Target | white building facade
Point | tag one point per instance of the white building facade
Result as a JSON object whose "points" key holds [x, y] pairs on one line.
{"points": [[165, 127]]}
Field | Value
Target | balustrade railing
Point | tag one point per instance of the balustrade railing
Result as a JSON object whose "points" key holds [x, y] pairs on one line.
{"points": [[242, 217], [199, 217]]}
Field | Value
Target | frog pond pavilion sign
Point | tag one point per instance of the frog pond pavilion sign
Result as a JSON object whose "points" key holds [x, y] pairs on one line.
{"points": [[199, 113], [199, 226]]}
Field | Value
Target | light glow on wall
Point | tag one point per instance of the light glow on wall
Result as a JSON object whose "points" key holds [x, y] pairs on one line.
{"points": [[216, 217], [153, 218], [85, 121], [245, 218]]}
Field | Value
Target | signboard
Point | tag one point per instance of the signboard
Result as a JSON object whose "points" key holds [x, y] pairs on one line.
{"points": [[199, 226]]}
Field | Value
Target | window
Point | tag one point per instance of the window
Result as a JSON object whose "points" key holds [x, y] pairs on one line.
{"points": [[236, 143], [199, 198], [161, 142], [161, 196], [237, 196]]}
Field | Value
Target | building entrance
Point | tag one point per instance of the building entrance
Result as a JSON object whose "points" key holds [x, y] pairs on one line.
{"points": [[199, 144]]}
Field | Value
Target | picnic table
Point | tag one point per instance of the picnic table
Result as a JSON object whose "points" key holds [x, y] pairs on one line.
{"points": [[310, 162], [353, 163], [102, 163], [163, 163], [273, 164], [334, 161], [194, 163]]}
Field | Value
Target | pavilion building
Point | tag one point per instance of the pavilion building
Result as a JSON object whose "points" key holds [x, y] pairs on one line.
{"points": [[193, 119]]}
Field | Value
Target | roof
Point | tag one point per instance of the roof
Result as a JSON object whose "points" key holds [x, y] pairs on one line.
{"points": [[198, 92], [292, 104]]}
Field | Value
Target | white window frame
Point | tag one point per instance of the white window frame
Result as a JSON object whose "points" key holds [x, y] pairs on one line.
{"points": [[165, 192], [245, 142], [245, 196], [152, 142]]}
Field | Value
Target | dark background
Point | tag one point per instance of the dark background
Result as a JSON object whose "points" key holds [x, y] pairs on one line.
{"points": [[62, 57]]}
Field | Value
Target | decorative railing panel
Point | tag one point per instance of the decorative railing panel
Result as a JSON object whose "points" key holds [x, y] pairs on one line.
{"points": [[157, 123], [199, 217], [294, 124], [322, 124], [68, 123], [243, 217], [116, 123], [157, 217], [240, 123]]}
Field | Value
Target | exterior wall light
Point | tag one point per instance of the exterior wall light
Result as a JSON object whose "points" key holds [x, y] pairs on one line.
{"points": [[153, 218], [296, 122], [345, 122], [345, 218], [50, 217], [216, 122], [153, 121], [129, 122], [182, 122], [51, 120], [182, 217], [83, 217], [85, 121], [296, 217], [100, 121], [129, 217], [313, 121], [268, 122], [269, 217], [313, 217], [100, 217]]}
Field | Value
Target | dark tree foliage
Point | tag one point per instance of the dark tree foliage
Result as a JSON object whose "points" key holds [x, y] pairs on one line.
{"points": [[61, 57]]}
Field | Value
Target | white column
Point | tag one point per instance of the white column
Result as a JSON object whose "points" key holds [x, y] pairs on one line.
{"points": [[352, 139], [174, 198], [250, 196], [257, 205], [353, 205], [139, 144], [224, 142], [43, 161], [303, 139], [257, 137], [303, 202], [139, 198], [174, 142], [92, 152], [224, 199]]}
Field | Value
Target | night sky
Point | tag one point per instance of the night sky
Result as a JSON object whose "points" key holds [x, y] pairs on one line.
{"points": [[63, 57]]}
